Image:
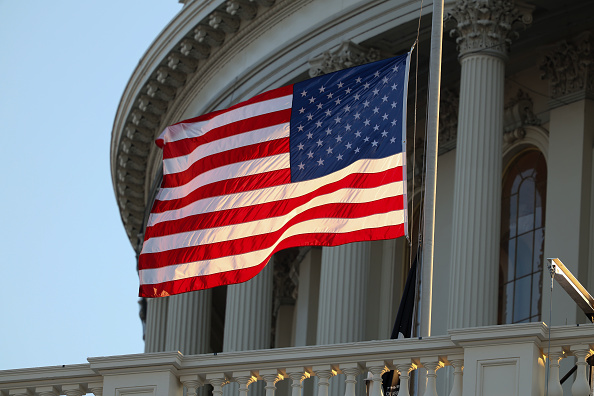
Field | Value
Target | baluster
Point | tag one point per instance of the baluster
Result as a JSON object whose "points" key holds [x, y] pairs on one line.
{"points": [[298, 375], [217, 381], [404, 368], [192, 383], [377, 368], [324, 373], [554, 384], [244, 379], [457, 362], [271, 376], [73, 390], [432, 366], [46, 391], [580, 386], [351, 370]]}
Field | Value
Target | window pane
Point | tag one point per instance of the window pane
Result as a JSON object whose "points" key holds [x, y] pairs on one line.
{"points": [[538, 259], [513, 214], [524, 255], [522, 297], [526, 206], [536, 296]]}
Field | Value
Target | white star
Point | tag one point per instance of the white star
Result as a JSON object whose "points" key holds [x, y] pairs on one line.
{"points": [[376, 127], [376, 74], [340, 84], [320, 106], [328, 131], [358, 80], [300, 146], [374, 143], [366, 85], [339, 157], [393, 122], [322, 89], [393, 140], [328, 113], [337, 119], [348, 90], [330, 95], [310, 155], [312, 99], [320, 143], [384, 133], [347, 108], [366, 103], [395, 68], [337, 101], [357, 150], [309, 135], [301, 110], [319, 124], [309, 117], [358, 134], [394, 86], [329, 150], [357, 116], [300, 128], [375, 110], [301, 166], [320, 162], [375, 91], [349, 145], [385, 116], [385, 98], [347, 127], [338, 138], [357, 96], [366, 122], [366, 139], [385, 80], [394, 104], [304, 93]]}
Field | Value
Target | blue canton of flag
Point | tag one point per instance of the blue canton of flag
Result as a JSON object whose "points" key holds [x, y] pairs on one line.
{"points": [[348, 115]]}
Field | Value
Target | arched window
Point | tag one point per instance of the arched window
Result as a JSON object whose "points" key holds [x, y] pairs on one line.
{"points": [[522, 238]]}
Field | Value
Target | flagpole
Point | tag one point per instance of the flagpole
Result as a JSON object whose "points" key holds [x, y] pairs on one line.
{"points": [[431, 169]]}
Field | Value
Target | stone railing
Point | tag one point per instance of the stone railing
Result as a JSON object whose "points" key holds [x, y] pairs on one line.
{"points": [[506, 360]]}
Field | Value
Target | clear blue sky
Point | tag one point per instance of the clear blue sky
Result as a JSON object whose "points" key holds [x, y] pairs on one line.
{"points": [[67, 271]]}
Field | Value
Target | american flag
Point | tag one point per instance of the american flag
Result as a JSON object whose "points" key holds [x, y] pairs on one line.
{"points": [[321, 162]]}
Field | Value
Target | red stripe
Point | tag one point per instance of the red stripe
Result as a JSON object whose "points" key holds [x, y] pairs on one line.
{"points": [[186, 146], [269, 209], [239, 154], [225, 187], [259, 242], [243, 275]]}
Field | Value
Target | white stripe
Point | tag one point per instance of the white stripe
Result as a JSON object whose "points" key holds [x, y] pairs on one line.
{"points": [[184, 130], [267, 225], [181, 163], [239, 169], [276, 193], [251, 259]]}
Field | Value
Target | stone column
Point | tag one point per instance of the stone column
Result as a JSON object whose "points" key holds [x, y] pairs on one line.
{"points": [[188, 323], [156, 323], [484, 32]]}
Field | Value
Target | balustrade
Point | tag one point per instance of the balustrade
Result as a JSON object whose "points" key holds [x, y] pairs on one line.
{"points": [[495, 356]]}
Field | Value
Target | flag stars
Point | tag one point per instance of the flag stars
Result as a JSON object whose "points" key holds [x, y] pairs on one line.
{"points": [[374, 143], [385, 117], [328, 131], [320, 162], [393, 122], [312, 99], [376, 74], [319, 124], [366, 103], [366, 139], [337, 119], [366, 85], [310, 135], [376, 127], [375, 110], [319, 105], [358, 134], [337, 101], [348, 91], [328, 113], [395, 69], [393, 140], [303, 93], [357, 150], [347, 127], [385, 80], [301, 110], [339, 157], [300, 128], [310, 155], [329, 150], [357, 96], [347, 108], [322, 89], [300, 146], [338, 139], [394, 87], [320, 142], [340, 84], [384, 133], [301, 166], [330, 95], [358, 80], [385, 98], [375, 91], [357, 115], [366, 122], [394, 104], [348, 145], [309, 117]]}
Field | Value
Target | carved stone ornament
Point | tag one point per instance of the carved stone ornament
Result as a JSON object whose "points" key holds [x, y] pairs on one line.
{"points": [[569, 67], [517, 114], [347, 55], [488, 25], [448, 120]]}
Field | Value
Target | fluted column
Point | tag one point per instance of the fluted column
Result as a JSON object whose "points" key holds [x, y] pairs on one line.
{"points": [[343, 290], [156, 323], [484, 29], [188, 322]]}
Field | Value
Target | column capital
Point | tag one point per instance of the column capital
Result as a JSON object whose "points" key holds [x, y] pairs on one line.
{"points": [[569, 67], [348, 54], [488, 26]]}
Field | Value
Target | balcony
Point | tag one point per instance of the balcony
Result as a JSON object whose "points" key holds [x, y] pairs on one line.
{"points": [[497, 360]]}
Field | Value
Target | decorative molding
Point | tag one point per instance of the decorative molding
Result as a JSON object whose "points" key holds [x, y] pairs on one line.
{"points": [[569, 67], [517, 114], [348, 54], [488, 26]]}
